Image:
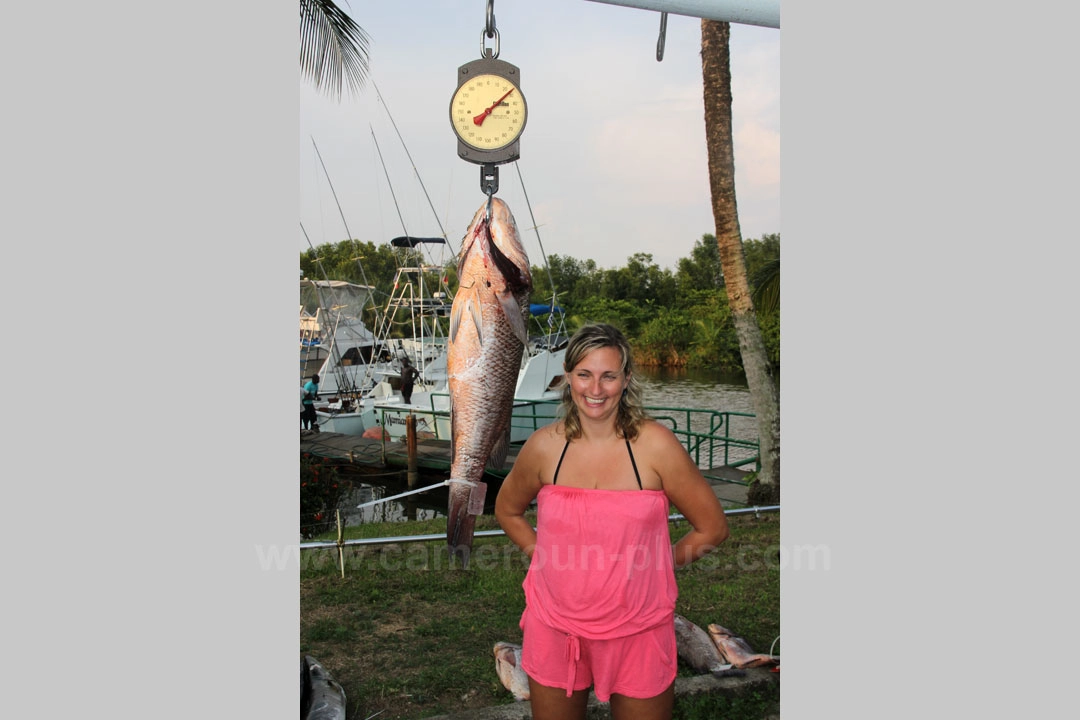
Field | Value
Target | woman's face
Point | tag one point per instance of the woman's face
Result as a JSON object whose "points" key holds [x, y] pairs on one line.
{"points": [[597, 383]]}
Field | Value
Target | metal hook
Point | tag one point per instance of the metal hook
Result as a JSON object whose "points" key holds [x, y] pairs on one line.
{"points": [[490, 29], [660, 40], [489, 184]]}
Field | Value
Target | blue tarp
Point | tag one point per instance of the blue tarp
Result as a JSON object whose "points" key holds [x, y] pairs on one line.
{"points": [[543, 309]]}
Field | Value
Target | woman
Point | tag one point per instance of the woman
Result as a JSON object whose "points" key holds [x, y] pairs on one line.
{"points": [[600, 591]]}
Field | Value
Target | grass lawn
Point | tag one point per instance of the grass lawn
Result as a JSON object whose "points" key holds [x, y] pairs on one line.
{"points": [[409, 636]]}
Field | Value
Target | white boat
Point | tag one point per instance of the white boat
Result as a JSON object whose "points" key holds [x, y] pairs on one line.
{"points": [[360, 371], [536, 396], [336, 345]]}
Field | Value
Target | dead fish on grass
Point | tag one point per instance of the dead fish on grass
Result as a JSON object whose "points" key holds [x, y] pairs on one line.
{"points": [[321, 697], [488, 334], [698, 651], [737, 651], [508, 667]]}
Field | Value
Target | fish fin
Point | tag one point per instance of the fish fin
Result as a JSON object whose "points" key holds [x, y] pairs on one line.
{"points": [[455, 320], [499, 450], [512, 310], [476, 310], [452, 433]]}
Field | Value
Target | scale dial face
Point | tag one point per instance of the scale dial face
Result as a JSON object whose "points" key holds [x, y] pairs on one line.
{"points": [[488, 112]]}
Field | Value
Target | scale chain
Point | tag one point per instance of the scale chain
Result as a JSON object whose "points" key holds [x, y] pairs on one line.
{"points": [[490, 31]]}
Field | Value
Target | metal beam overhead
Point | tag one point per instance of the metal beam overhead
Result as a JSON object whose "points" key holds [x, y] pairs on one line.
{"points": [[765, 13]]}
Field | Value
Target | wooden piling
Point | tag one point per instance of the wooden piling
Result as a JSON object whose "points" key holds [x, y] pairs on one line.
{"points": [[413, 473], [340, 544]]}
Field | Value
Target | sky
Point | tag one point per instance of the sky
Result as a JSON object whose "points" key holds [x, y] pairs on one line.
{"points": [[163, 194], [613, 158]]}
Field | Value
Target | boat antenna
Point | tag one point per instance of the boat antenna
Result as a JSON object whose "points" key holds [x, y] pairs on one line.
{"points": [[536, 229], [387, 174], [340, 212], [363, 274], [409, 155]]}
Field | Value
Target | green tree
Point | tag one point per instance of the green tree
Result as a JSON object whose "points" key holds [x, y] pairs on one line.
{"points": [[764, 388], [573, 280], [761, 252], [626, 315], [333, 48], [666, 338], [641, 280], [702, 270]]}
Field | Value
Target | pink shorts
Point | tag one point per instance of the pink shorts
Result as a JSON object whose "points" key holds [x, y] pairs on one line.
{"points": [[638, 666]]}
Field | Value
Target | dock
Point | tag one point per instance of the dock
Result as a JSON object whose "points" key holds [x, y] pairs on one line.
{"points": [[433, 458]]}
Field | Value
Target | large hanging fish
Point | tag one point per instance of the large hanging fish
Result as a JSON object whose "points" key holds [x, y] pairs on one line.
{"points": [[488, 334]]}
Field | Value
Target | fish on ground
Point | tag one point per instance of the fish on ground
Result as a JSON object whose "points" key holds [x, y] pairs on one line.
{"points": [[508, 667], [487, 339], [737, 651], [321, 697], [697, 650]]}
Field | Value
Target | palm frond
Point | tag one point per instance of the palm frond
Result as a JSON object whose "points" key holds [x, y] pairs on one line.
{"points": [[333, 48], [766, 284]]}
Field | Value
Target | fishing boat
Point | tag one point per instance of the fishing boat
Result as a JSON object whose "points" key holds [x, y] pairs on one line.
{"points": [[360, 370], [336, 345], [426, 315], [536, 395]]}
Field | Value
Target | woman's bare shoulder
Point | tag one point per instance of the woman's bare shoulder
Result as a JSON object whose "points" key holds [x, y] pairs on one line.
{"points": [[655, 434], [543, 440]]}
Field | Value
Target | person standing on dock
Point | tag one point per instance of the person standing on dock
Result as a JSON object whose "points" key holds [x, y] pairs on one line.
{"points": [[600, 590], [308, 418], [408, 378]]}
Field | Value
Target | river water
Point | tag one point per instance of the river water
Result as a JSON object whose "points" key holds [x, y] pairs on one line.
{"points": [[703, 389]]}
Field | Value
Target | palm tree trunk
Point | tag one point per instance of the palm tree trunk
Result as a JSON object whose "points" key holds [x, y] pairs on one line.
{"points": [[764, 389]]}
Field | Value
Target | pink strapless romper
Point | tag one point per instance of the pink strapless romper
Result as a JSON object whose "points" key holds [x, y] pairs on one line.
{"points": [[600, 592]]}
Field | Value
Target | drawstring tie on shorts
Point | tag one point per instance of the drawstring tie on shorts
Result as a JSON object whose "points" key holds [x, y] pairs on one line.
{"points": [[573, 654]]}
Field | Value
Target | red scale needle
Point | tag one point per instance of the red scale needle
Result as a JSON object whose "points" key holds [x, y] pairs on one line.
{"points": [[479, 119]]}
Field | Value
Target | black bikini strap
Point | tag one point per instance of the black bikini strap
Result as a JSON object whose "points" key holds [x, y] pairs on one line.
{"points": [[556, 478], [632, 462]]}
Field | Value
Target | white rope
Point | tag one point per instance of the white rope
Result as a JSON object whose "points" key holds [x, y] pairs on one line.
{"points": [[413, 492]]}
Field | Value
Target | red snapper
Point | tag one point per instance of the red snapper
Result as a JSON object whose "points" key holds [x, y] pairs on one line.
{"points": [[488, 335]]}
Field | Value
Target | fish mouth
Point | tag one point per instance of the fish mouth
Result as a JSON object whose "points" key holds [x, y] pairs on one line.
{"points": [[496, 238]]}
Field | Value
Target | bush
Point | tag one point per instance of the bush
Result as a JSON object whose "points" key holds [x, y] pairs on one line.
{"points": [[321, 494]]}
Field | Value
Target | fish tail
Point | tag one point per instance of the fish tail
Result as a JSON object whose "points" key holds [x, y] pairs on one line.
{"points": [[459, 525]]}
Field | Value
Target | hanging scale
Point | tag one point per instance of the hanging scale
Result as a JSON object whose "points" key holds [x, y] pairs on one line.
{"points": [[487, 110]]}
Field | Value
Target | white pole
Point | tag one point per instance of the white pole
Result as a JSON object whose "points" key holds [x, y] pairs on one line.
{"points": [[765, 13]]}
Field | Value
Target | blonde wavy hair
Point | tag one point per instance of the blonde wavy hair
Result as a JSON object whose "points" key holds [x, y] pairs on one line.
{"points": [[631, 414]]}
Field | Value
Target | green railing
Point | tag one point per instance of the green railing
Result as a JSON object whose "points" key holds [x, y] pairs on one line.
{"points": [[708, 435], [529, 415]]}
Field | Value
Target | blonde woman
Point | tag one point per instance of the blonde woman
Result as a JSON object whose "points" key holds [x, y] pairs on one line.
{"points": [[600, 591]]}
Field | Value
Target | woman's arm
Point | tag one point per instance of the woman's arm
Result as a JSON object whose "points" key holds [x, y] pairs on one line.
{"points": [[689, 492], [518, 490]]}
